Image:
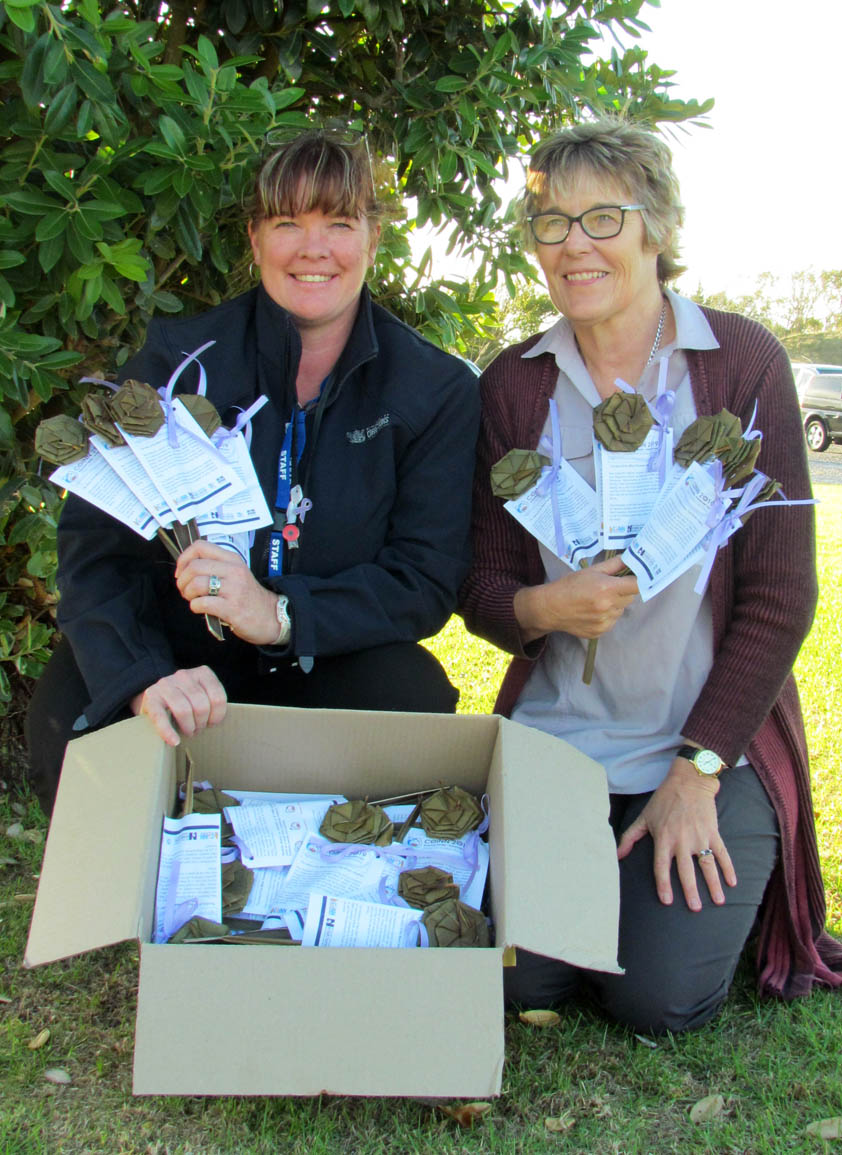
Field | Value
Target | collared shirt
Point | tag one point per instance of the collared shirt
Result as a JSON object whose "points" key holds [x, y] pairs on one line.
{"points": [[652, 665]]}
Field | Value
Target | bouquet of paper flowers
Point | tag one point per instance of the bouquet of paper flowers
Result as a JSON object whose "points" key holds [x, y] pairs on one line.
{"points": [[666, 509], [161, 464]]}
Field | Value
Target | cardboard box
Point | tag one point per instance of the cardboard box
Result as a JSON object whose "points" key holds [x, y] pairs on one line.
{"points": [[302, 1021]]}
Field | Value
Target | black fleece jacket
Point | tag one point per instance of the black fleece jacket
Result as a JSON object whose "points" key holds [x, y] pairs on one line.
{"points": [[387, 464]]}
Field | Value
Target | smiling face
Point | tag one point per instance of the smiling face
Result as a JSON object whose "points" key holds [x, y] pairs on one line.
{"points": [[313, 264], [595, 282]]}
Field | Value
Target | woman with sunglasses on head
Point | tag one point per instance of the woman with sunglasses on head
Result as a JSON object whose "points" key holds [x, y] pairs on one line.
{"points": [[368, 436], [692, 710]]}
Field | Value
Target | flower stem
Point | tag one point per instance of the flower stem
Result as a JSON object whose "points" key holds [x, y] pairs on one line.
{"points": [[590, 657]]}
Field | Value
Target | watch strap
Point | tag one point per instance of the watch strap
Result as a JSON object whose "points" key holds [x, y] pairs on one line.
{"points": [[284, 621]]}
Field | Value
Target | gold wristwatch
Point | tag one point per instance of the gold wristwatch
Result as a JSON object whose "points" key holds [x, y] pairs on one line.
{"points": [[707, 762]]}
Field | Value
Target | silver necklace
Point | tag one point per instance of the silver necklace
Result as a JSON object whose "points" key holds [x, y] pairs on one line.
{"points": [[656, 344]]}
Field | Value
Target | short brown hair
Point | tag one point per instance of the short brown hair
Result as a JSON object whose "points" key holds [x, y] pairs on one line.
{"points": [[318, 169], [625, 153]]}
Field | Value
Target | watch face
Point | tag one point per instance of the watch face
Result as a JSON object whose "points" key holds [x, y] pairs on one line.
{"points": [[707, 762]]}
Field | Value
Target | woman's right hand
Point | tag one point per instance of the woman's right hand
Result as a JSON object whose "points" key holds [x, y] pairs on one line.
{"points": [[586, 603], [185, 702]]}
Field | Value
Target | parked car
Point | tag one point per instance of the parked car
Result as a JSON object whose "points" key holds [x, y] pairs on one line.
{"points": [[804, 372], [820, 394]]}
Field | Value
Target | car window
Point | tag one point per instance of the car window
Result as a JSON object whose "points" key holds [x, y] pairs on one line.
{"points": [[802, 376], [823, 388]]}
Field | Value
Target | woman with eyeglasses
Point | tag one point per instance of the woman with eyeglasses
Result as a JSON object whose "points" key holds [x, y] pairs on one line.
{"points": [[364, 451], [692, 710]]}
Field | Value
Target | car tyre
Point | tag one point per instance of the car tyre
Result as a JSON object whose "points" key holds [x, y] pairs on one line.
{"points": [[818, 438]]}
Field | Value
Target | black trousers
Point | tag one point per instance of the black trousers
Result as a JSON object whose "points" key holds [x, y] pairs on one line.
{"points": [[401, 676], [678, 964]]}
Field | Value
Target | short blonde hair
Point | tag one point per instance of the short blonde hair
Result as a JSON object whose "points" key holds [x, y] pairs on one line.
{"points": [[319, 169], [624, 153]]}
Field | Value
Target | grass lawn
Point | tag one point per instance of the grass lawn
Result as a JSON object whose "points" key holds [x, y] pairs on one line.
{"points": [[777, 1068]]}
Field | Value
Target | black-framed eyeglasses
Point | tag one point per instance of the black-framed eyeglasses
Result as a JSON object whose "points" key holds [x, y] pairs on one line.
{"points": [[599, 223]]}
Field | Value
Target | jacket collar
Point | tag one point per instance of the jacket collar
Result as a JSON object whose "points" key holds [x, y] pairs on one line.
{"points": [[279, 346], [362, 344]]}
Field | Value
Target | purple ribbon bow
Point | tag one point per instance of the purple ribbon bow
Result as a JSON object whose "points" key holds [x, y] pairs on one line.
{"points": [[166, 391], [730, 520], [550, 482], [751, 434], [243, 422], [662, 410]]}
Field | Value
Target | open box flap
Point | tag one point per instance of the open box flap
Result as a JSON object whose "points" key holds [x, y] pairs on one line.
{"points": [[361, 752], [102, 849], [285, 1021], [558, 865]]}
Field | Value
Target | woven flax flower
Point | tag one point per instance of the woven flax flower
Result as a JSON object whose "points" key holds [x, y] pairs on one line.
{"points": [[450, 813], [97, 416], [621, 422], [61, 440], [453, 923], [136, 407], [516, 472], [357, 821], [424, 887]]}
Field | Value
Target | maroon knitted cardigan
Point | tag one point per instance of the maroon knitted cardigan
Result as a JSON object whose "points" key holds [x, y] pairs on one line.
{"points": [[763, 590]]}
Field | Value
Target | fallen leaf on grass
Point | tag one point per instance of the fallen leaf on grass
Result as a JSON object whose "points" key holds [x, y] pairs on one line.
{"points": [[15, 830], [558, 1124], [40, 1039], [647, 1042], [36, 837], [57, 1075], [711, 1107], [827, 1128], [5, 999], [24, 898], [539, 1018], [468, 1113]]}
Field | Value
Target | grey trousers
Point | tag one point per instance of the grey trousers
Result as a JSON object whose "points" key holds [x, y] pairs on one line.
{"points": [[678, 964]]}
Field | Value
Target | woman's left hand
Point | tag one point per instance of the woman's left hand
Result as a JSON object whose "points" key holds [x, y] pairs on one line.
{"points": [[241, 601], [681, 818]]}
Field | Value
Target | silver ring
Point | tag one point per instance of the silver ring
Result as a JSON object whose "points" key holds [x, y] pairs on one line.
{"points": [[704, 853], [214, 585]]}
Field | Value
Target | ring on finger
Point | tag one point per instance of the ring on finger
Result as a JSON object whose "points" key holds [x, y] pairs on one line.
{"points": [[214, 585], [704, 853]]}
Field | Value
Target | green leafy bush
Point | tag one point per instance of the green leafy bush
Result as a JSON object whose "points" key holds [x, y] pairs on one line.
{"points": [[129, 135]]}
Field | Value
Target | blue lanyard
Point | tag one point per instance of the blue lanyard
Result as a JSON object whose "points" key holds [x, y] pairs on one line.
{"points": [[294, 436], [290, 503]]}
